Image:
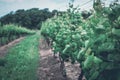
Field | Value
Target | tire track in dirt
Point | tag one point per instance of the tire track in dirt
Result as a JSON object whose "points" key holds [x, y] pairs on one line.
{"points": [[4, 49], [49, 67]]}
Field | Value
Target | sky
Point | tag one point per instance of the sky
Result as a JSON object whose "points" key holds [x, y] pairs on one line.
{"points": [[7, 6]]}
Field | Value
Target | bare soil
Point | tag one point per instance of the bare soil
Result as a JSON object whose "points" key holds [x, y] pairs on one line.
{"points": [[49, 67], [5, 48]]}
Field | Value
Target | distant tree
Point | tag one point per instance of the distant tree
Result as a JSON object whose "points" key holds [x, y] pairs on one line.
{"points": [[31, 18], [8, 18], [85, 14], [54, 12]]}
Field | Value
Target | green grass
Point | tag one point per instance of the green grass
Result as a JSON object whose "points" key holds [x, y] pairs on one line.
{"points": [[21, 62]]}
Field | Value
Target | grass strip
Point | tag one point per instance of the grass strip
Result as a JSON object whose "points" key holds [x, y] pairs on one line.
{"points": [[21, 62]]}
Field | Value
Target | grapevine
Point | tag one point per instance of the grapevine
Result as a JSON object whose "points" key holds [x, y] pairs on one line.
{"points": [[93, 42]]}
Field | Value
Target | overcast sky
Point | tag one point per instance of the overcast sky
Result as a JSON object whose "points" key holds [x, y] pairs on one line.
{"points": [[7, 6]]}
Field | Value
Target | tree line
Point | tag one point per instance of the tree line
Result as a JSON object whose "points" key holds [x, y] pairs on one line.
{"points": [[31, 18]]}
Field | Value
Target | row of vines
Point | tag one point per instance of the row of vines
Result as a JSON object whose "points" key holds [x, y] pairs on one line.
{"points": [[11, 32], [93, 42]]}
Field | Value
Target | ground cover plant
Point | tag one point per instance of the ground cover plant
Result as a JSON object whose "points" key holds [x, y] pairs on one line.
{"points": [[21, 62]]}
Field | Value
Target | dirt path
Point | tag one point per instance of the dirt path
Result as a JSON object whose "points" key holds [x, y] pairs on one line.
{"points": [[4, 49], [49, 67]]}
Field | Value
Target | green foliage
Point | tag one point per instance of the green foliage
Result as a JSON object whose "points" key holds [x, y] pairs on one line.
{"points": [[21, 60], [93, 42], [11, 29], [11, 32], [31, 18]]}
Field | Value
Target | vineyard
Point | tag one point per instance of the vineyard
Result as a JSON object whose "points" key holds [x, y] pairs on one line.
{"points": [[93, 42], [70, 45], [10, 32]]}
